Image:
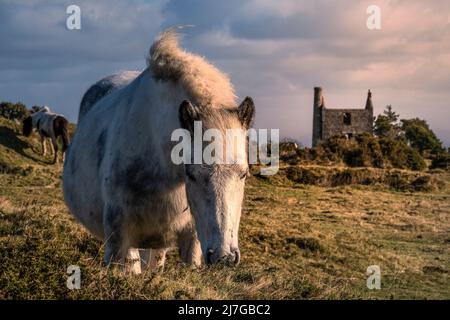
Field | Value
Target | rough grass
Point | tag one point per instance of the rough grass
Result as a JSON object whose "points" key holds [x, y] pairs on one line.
{"points": [[297, 242], [333, 176]]}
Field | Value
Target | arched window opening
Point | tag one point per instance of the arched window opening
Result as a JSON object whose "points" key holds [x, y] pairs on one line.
{"points": [[347, 119]]}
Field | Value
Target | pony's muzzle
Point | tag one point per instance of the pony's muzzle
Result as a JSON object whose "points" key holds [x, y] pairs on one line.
{"points": [[229, 258]]}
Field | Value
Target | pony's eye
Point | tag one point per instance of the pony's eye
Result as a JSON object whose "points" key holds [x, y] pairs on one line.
{"points": [[243, 175], [190, 176]]}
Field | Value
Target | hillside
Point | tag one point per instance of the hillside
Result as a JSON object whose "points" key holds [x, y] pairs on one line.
{"points": [[298, 241]]}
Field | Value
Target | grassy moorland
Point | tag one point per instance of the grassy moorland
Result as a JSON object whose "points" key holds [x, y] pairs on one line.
{"points": [[298, 241]]}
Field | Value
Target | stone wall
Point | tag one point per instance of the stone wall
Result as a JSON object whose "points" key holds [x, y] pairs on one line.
{"points": [[333, 122]]}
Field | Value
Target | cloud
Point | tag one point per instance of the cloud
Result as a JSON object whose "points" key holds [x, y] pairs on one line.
{"points": [[42, 62], [37, 30], [275, 51]]}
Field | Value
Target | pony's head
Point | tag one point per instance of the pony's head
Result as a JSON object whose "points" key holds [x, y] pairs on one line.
{"points": [[27, 126], [215, 190], [35, 109]]}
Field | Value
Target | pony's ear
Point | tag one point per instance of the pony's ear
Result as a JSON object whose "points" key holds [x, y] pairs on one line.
{"points": [[27, 126], [34, 109], [187, 114], [246, 112]]}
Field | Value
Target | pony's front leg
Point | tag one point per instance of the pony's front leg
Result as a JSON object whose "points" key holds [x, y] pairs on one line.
{"points": [[153, 259], [189, 246], [115, 248], [133, 263]]}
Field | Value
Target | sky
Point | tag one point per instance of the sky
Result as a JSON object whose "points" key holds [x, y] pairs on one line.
{"points": [[275, 51]]}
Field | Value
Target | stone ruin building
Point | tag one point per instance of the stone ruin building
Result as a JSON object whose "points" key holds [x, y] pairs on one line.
{"points": [[346, 121]]}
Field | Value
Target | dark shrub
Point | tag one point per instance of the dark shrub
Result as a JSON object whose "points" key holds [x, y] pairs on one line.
{"points": [[423, 183], [420, 136], [400, 155], [397, 181], [356, 158], [289, 151], [415, 161], [13, 111], [366, 150], [441, 161]]}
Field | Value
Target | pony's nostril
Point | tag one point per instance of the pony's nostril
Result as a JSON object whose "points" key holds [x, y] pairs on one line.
{"points": [[209, 255], [237, 255], [231, 257]]}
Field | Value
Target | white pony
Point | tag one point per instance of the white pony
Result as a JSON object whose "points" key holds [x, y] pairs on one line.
{"points": [[119, 179], [49, 125]]}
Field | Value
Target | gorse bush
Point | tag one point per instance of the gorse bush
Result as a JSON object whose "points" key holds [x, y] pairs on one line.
{"points": [[364, 150], [13, 111], [400, 154], [368, 151]]}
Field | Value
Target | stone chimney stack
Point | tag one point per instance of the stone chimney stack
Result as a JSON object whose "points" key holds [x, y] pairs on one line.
{"points": [[369, 105], [319, 104], [369, 109]]}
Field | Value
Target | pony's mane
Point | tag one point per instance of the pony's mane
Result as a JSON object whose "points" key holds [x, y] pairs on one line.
{"points": [[45, 109], [203, 82]]}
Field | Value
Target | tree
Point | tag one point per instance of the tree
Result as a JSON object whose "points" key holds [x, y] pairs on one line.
{"points": [[391, 115], [420, 136], [386, 124]]}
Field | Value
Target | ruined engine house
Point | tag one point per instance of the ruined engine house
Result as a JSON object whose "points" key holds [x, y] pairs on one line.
{"points": [[342, 121]]}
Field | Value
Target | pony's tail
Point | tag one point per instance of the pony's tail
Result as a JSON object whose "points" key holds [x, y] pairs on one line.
{"points": [[65, 139], [27, 126], [61, 125]]}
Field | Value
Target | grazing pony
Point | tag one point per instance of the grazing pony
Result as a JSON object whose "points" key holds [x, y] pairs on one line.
{"points": [[119, 179], [49, 125]]}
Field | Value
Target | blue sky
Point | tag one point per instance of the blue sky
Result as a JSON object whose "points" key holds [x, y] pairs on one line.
{"points": [[274, 51]]}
